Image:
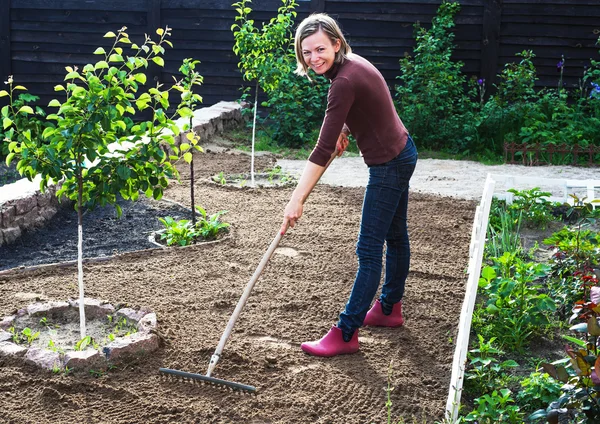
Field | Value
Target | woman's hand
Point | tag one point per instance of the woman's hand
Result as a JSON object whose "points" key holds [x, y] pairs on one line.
{"points": [[342, 144], [291, 214]]}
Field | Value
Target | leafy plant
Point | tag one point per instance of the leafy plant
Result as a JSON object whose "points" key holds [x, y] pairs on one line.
{"points": [[537, 391], [220, 178], [296, 107], [533, 205], [516, 304], [34, 121], [184, 233], [485, 371], [495, 408], [82, 344], [431, 99], [29, 335], [262, 52], [90, 144]]}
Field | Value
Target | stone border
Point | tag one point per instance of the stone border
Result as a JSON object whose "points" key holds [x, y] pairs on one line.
{"points": [[143, 341], [23, 207]]}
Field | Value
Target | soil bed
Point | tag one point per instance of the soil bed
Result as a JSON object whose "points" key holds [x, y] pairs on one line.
{"points": [[299, 296]]}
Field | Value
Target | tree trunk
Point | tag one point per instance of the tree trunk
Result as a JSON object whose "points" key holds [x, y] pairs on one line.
{"points": [[80, 250], [253, 135], [192, 191]]}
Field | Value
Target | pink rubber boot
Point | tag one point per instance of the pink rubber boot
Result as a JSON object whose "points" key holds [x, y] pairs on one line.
{"points": [[376, 318], [332, 344]]}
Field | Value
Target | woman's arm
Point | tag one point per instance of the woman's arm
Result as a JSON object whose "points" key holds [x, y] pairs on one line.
{"points": [[310, 176]]}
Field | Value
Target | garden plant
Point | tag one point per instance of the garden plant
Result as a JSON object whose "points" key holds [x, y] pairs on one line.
{"points": [[523, 302]]}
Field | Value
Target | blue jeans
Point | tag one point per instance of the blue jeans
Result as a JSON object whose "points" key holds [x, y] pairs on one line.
{"points": [[384, 216]]}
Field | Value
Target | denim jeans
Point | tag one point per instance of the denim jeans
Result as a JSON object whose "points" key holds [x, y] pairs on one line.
{"points": [[384, 216]]}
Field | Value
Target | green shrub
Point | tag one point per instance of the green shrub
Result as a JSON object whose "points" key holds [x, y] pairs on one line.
{"points": [[431, 100], [297, 107]]}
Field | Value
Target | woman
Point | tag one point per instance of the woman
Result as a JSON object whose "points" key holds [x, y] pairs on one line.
{"points": [[359, 102]]}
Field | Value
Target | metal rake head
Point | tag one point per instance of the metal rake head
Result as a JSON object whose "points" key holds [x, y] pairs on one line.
{"points": [[193, 378]]}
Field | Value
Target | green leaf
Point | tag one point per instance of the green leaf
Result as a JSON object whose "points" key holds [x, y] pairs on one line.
{"points": [[20, 87], [188, 157], [115, 58], [160, 31], [186, 112], [59, 88], [576, 341], [26, 109], [184, 147], [6, 123], [3, 93], [158, 60], [54, 103], [9, 158], [110, 34], [101, 65], [141, 78], [99, 50]]}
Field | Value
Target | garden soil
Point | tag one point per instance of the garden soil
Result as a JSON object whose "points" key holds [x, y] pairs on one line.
{"points": [[194, 290]]}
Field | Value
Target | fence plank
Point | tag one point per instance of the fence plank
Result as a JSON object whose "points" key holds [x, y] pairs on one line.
{"points": [[112, 5], [5, 48], [492, 17]]}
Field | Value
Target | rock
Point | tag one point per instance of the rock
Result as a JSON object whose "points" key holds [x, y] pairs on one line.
{"points": [[137, 343], [5, 336], [11, 349], [48, 309], [7, 322], [8, 215], [131, 315], [147, 323], [11, 234], [81, 360], [94, 308], [44, 358], [47, 212], [25, 205]]}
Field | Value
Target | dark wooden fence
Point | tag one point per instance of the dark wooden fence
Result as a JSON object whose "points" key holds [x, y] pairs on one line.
{"points": [[38, 38]]}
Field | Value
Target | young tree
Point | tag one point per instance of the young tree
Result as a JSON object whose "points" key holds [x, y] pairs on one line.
{"points": [[262, 52], [189, 100], [91, 145]]}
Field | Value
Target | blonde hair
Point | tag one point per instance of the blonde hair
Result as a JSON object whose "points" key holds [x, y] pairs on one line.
{"points": [[311, 25]]}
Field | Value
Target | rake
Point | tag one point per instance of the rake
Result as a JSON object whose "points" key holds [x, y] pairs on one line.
{"points": [[218, 351]]}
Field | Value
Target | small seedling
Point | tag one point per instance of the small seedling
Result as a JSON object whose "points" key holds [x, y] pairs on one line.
{"points": [[83, 343], [29, 335], [97, 373], [220, 178]]}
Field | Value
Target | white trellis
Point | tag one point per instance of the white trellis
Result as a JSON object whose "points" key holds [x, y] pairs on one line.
{"points": [[560, 190]]}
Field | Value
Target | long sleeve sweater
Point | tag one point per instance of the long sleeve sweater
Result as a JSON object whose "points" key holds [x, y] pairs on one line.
{"points": [[360, 98]]}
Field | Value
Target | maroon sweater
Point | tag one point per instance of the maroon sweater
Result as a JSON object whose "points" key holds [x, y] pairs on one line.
{"points": [[360, 98]]}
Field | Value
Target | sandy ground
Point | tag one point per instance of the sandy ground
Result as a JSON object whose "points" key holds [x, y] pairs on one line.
{"points": [[299, 296]]}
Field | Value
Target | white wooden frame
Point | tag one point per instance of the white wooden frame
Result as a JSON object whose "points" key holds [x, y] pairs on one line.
{"points": [[476, 250]]}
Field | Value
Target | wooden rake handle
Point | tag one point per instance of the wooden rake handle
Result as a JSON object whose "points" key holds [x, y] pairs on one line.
{"points": [[242, 302]]}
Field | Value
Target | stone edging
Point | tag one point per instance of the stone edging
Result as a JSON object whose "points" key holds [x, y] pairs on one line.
{"points": [[143, 341], [23, 207]]}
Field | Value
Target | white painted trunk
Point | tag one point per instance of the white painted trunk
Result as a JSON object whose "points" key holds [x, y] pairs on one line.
{"points": [[80, 278], [253, 137]]}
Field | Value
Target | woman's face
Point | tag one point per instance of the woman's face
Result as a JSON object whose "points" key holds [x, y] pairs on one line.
{"points": [[319, 52]]}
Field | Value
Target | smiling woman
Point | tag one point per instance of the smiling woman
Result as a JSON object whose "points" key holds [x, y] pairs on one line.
{"points": [[359, 102]]}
